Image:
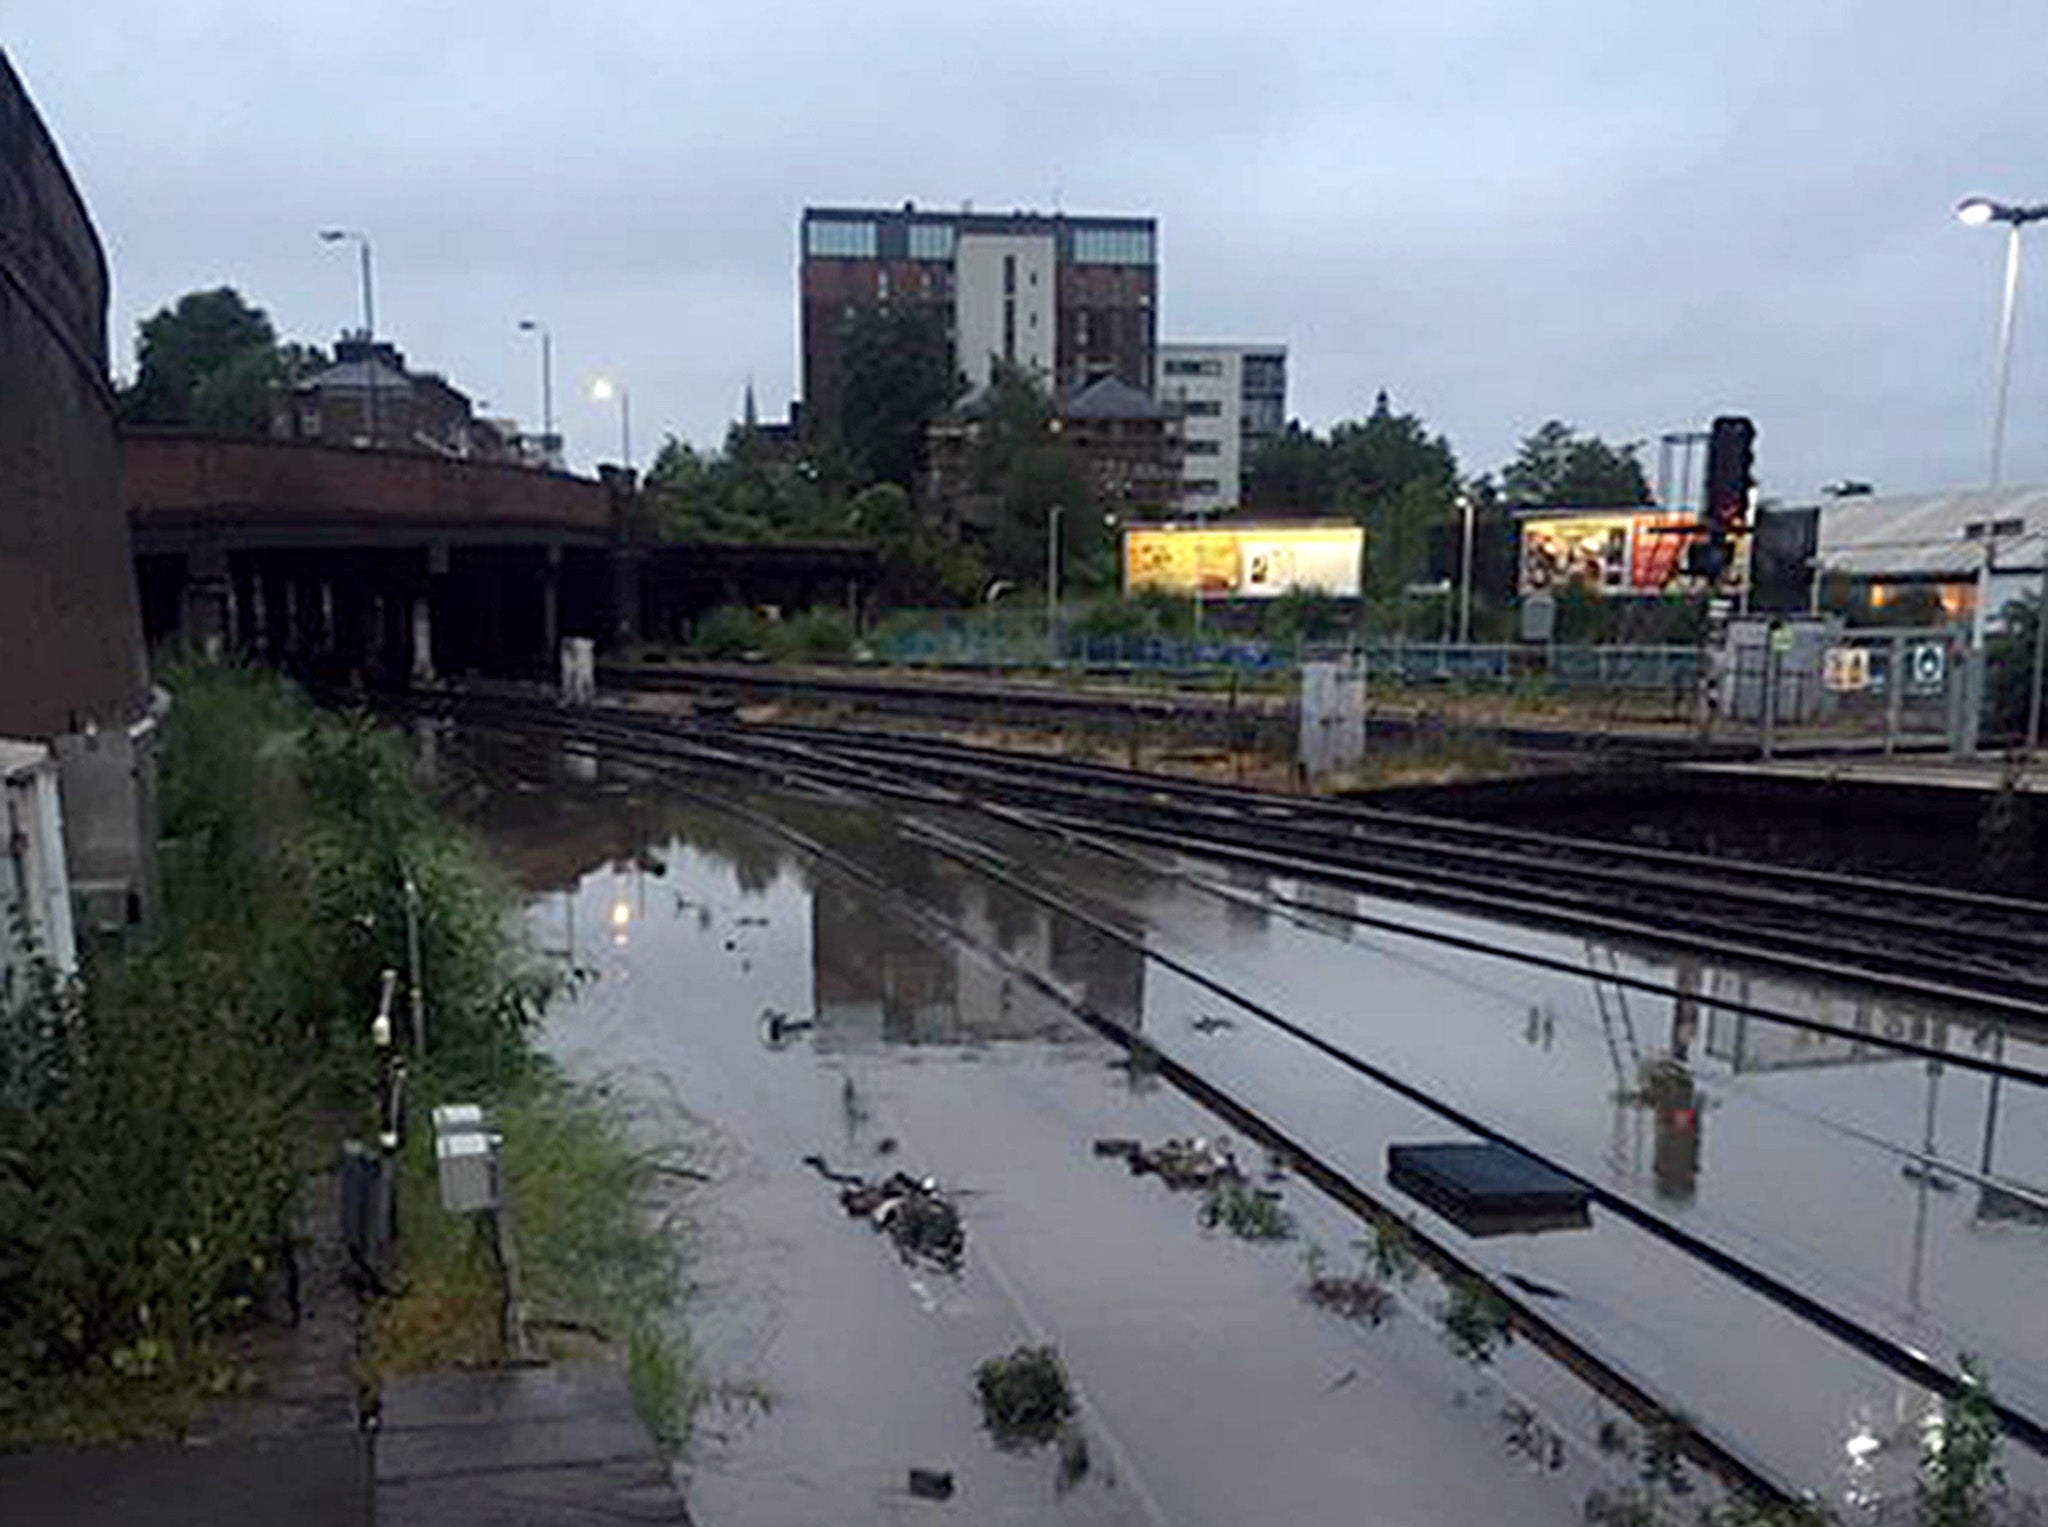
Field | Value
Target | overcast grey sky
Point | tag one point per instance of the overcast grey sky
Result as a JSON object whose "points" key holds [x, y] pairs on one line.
{"points": [[1630, 215]]}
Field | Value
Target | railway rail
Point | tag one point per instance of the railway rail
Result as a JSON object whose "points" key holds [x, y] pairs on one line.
{"points": [[1937, 945], [929, 771]]}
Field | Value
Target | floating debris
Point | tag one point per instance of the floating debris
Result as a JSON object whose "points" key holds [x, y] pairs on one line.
{"points": [[931, 1484], [1360, 1297], [1211, 1023], [1179, 1163], [913, 1213]]}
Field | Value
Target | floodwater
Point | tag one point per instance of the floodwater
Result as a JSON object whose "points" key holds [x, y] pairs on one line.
{"points": [[1212, 1391]]}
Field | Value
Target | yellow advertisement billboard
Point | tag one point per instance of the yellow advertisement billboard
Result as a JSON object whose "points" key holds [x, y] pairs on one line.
{"points": [[1245, 561]]}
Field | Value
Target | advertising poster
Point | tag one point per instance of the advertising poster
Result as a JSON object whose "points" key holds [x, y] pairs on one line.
{"points": [[1623, 552], [1245, 561]]}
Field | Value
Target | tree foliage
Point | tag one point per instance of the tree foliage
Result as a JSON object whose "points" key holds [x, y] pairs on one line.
{"points": [[1386, 470], [207, 360], [1557, 468], [898, 376]]}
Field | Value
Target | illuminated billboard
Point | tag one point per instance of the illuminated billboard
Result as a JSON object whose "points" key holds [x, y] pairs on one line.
{"points": [[1625, 552], [1245, 561]]}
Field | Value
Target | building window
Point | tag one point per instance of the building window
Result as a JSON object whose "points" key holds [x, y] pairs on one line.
{"points": [[1112, 246], [1204, 447], [830, 240], [1197, 485], [1194, 368], [931, 241], [1009, 275], [1204, 408]]}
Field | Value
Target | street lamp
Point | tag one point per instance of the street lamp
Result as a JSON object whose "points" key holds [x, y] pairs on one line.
{"points": [[1052, 582], [362, 243], [604, 389], [1981, 212], [547, 380], [1465, 574]]}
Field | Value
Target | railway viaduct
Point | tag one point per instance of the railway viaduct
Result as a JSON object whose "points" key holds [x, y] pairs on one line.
{"points": [[403, 566]]}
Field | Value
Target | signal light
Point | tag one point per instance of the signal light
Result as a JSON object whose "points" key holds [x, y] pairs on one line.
{"points": [[1731, 460]]}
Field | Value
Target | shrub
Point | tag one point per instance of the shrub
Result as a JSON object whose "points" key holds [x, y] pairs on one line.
{"points": [[1025, 1396], [821, 635]]}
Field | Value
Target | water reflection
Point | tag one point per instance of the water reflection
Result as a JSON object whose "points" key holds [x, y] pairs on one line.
{"points": [[875, 979]]}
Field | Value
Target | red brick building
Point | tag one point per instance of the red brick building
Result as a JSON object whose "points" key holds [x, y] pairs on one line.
{"points": [[1071, 299]]}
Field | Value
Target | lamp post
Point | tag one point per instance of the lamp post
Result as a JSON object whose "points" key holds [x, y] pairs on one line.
{"points": [[1979, 212], [1052, 583], [362, 243], [1465, 574], [547, 381], [604, 389]]}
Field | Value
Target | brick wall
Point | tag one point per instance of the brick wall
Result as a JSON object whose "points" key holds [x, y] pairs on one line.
{"points": [[180, 477], [72, 637]]}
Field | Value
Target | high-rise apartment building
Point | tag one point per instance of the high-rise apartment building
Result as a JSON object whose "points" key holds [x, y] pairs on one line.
{"points": [[1231, 398], [1073, 299]]}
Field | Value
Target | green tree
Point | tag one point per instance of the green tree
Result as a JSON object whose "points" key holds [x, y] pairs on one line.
{"points": [[1557, 468], [1386, 470], [1025, 470], [1291, 473], [211, 349], [898, 376]]}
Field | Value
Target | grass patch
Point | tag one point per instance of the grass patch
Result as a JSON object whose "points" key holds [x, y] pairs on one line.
{"points": [[1475, 1321], [1025, 1397], [1246, 1213], [596, 1236]]}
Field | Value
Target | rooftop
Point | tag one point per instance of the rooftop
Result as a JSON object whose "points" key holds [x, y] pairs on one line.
{"points": [[1931, 534], [1114, 398]]}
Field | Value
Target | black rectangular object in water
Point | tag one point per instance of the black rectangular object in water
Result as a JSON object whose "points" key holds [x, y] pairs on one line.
{"points": [[1487, 1189]]}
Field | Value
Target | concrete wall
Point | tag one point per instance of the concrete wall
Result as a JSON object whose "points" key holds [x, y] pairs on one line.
{"points": [[1005, 286], [72, 641]]}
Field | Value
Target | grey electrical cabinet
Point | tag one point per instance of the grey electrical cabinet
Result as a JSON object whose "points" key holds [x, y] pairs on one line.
{"points": [[471, 1170]]}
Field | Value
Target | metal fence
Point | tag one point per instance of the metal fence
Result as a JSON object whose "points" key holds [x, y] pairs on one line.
{"points": [[1663, 671]]}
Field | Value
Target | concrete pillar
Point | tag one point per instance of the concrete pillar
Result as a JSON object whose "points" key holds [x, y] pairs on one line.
{"points": [[325, 636], [289, 646], [203, 616], [373, 632], [625, 595], [259, 621], [551, 607], [422, 639]]}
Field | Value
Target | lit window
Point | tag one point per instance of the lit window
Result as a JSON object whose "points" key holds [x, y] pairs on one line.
{"points": [[831, 240]]}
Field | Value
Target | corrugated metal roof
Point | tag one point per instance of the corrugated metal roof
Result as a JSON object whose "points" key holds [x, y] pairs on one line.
{"points": [[1931, 534]]}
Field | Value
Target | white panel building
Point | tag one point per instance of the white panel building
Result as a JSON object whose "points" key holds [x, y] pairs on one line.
{"points": [[1004, 290], [35, 892], [1231, 398]]}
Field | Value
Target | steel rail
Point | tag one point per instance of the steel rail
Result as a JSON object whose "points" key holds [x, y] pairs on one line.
{"points": [[823, 771]]}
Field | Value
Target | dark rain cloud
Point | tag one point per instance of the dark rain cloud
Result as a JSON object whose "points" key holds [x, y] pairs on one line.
{"points": [[1632, 216]]}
